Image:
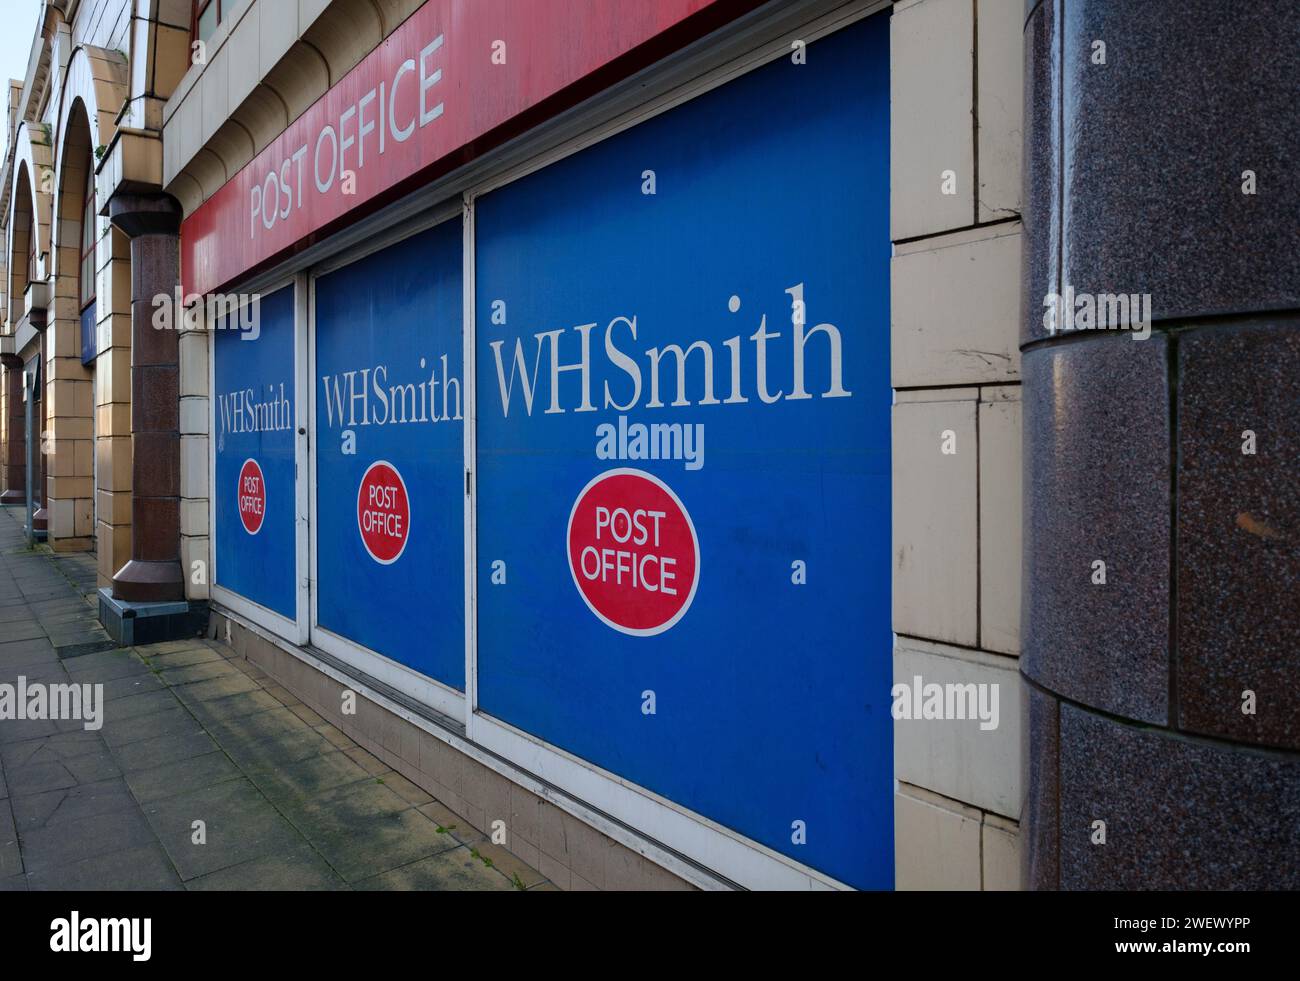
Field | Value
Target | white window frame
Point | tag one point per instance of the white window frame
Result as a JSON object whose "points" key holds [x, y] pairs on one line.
{"points": [[295, 628], [428, 691]]}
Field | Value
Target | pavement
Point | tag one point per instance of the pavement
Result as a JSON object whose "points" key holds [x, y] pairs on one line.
{"points": [[205, 774]]}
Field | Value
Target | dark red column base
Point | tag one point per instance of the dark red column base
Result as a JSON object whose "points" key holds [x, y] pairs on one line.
{"points": [[13, 497], [144, 581]]}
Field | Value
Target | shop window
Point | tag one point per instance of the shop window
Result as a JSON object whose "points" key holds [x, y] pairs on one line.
{"points": [[86, 273], [390, 479], [88, 229], [31, 253], [254, 462], [737, 587], [207, 15]]}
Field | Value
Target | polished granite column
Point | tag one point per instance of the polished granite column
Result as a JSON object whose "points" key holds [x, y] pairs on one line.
{"points": [[153, 574], [1161, 613]]}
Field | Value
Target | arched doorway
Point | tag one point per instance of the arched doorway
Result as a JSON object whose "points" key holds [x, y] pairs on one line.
{"points": [[26, 311], [72, 334]]}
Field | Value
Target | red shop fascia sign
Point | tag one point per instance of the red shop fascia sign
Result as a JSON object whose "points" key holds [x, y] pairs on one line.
{"points": [[456, 79]]}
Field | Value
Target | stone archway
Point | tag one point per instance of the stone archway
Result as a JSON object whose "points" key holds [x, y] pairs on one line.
{"points": [[72, 343], [30, 200], [92, 358], [28, 253], [12, 417]]}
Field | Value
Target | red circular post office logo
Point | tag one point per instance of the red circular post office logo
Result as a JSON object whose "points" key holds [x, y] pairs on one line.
{"points": [[383, 512], [252, 496], [633, 552]]}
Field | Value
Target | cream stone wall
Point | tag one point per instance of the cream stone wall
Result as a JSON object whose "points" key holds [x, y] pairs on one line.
{"points": [[956, 69]]}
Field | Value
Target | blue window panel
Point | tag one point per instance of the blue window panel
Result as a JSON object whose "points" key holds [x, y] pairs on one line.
{"points": [[389, 366], [253, 420], [89, 346], [772, 691]]}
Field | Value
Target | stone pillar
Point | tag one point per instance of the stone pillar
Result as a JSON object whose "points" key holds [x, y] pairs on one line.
{"points": [[152, 223], [1161, 625], [15, 449]]}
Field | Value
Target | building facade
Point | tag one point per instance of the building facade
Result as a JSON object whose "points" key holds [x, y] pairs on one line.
{"points": [[291, 154], [393, 305], [453, 362]]}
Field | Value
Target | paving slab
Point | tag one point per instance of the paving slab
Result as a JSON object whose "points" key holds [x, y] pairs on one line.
{"points": [[131, 686], [176, 675], [38, 778], [308, 778], [89, 837], [105, 666], [177, 659], [137, 868], [388, 842], [21, 730], [134, 706], [183, 777], [233, 706], [217, 688], [176, 721], [238, 824], [301, 869], [51, 749], [46, 671], [71, 804], [15, 654], [11, 860], [455, 870], [275, 752], [14, 632], [161, 750]]}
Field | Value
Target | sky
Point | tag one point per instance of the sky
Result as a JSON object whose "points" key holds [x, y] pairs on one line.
{"points": [[17, 28]]}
